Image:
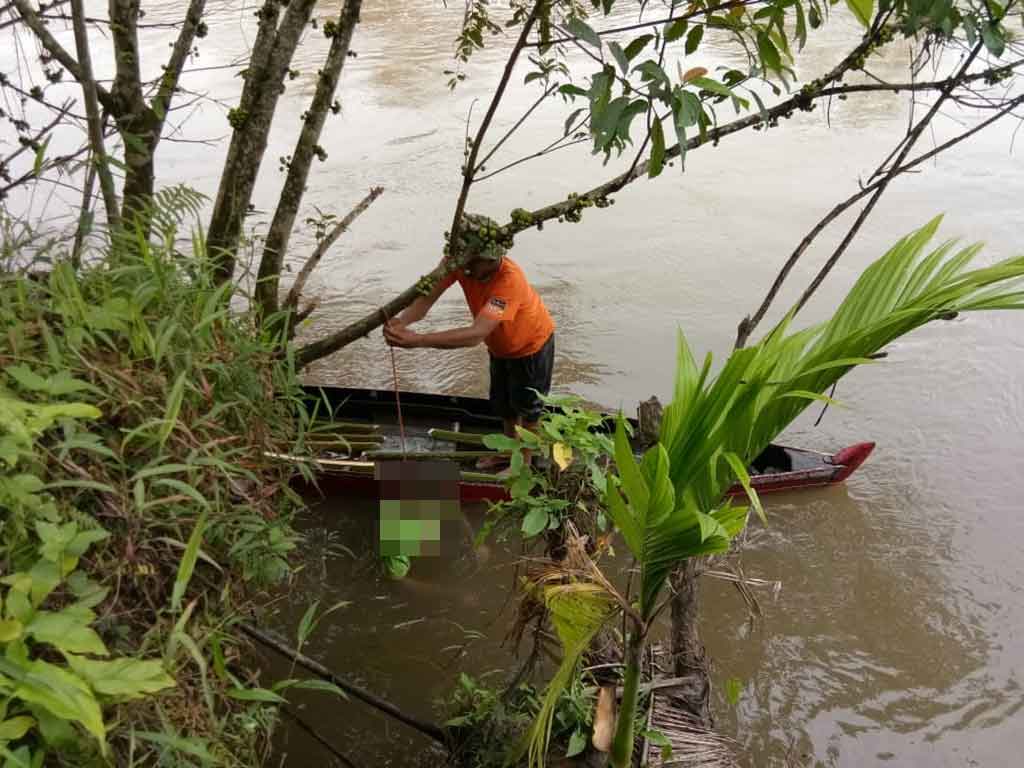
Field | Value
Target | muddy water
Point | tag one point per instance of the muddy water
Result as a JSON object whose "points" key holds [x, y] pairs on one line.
{"points": [[898, 634]]}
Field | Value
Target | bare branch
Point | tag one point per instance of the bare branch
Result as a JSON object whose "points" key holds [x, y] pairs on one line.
{"points": [[292, 302], [99, 152]]}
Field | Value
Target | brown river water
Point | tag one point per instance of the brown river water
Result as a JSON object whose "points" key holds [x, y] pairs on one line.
{"points": [[898, 633]]}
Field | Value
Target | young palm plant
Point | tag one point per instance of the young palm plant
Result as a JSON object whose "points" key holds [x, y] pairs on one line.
{"points": [[670, 506]]}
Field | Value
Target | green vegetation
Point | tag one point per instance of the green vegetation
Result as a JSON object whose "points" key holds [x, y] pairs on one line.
{"points": [[138, 516], [671, 505]]}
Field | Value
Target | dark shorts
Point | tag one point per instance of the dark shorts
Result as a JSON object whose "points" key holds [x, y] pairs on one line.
{"points": [[514, 379]]}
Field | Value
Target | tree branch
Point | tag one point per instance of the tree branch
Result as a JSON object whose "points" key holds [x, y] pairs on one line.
{"points": [[654, 23], [292, 302], [161, 103], [95, 125], [306, 148], [347, 335], [55, 49]]}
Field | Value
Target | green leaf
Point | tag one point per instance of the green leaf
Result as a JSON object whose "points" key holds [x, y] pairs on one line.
{"points": [[992, 36], [15, 727], [501, 442], [316, 685], [676, 30], [712, 85], [769, 53], [733, 689], [10, 629], [64, 694], [577, 743], [26, 378], [583, 31], [862, 10], [620, 57], [535, 521], [125, 678], [188, 563], [744, 480], [637, 45], [397, 565], [256, 694], [45, 578], [632, 481], [657, 163], [65, 631], [191, 746], [693, 39], [174, 401], [801, 25]]}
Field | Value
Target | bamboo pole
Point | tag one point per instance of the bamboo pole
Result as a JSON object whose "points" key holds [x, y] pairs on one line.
{"points": [[429, 455], [468, 438]]}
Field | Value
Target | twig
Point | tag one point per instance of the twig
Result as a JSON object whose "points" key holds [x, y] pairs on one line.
{"points": [[514, 128], [428, 729], [295, 293]]}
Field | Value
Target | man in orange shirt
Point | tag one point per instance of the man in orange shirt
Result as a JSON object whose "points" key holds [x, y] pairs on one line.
{"points": [[509, 317]]}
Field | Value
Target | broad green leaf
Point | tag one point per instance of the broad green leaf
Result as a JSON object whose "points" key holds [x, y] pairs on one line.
{"points": [[693, 39], [10, 629], [577, 743], [676, 30], [124, 678], [632, 481], [65, 631], [992, 36], [769, 54], [637, 45], [188, 563], [501, 442], [64, 694], [625, 521], [16, 727], [26, 378], [862, 10], [45, 577], [535, 521], [582, 30]]}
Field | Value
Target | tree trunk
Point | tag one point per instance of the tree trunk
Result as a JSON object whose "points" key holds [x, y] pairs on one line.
{"points": [[264, 82], [306, 147], [135, 120], [687, 649]]}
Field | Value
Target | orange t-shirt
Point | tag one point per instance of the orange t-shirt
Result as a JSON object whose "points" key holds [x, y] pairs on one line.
{"points": [[507, 296]]}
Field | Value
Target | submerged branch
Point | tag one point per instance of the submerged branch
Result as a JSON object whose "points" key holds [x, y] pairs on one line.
{"points": [[432, 730]]}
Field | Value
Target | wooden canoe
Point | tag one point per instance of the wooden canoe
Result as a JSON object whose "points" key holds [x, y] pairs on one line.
{"points": [[778, 468]]}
